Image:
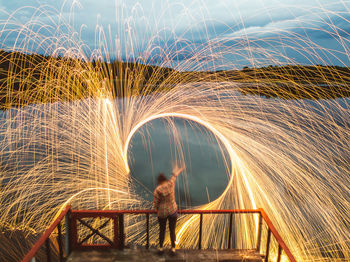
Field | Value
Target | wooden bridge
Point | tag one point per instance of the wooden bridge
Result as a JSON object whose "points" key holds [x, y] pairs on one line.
{"points": [[53, 245]]}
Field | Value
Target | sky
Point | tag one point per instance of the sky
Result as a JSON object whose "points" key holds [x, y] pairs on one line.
{"points": [[185, 34]]}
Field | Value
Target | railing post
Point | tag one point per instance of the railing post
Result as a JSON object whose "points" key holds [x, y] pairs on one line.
{"points": [[147, 230], [121, 231], [230, 232], [60, 249], [48, 251], [200, 231], [115, 230], [73, 233], [279, 253], [258, 238], [68, 233], [268, 245]]}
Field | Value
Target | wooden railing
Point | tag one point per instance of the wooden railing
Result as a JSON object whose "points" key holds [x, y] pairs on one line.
{"points": [[45, 239], [75, 217]]}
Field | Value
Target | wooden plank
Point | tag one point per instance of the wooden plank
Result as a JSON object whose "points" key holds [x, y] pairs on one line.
{"points": [[111, 213]]}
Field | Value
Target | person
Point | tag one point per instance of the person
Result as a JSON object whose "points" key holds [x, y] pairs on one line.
{"points": [[165, 205]]}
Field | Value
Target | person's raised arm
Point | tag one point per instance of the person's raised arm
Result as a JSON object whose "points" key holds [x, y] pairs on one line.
{"points": [[176, 172]]}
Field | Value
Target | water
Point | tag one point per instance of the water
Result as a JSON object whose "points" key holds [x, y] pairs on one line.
{"points": [[154, 149], [155, 146]]}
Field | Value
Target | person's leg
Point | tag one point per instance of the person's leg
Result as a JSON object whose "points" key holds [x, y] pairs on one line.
{"points": [[162, 226], [172, 227]]}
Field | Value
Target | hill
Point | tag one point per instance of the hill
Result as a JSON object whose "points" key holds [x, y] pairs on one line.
{"points": [[33, 78]]}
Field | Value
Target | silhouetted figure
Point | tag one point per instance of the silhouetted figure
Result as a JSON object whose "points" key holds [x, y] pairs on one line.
{"points": [[165, 205]]}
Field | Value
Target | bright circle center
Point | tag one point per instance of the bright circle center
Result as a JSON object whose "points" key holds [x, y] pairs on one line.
{"points": [[160, 142]]}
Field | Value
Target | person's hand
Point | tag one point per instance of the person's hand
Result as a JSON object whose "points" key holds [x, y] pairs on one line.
{"points": [[178, 169]]}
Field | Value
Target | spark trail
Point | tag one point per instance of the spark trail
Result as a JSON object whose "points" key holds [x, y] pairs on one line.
{"points": [[65, 136]]}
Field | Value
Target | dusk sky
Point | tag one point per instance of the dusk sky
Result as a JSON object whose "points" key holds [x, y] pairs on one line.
{"points": [[226, 33]]}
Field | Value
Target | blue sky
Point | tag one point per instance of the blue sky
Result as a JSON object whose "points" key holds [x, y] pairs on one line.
{"points": [[186, 34]]}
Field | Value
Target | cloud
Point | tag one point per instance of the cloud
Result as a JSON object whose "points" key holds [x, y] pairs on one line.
{"points": [[183, 28]]}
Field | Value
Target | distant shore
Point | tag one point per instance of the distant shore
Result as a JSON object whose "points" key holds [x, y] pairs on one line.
{"points": [[21, 73]]}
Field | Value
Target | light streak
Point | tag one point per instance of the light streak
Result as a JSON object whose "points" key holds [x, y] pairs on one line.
{"points": [[68, 139]]}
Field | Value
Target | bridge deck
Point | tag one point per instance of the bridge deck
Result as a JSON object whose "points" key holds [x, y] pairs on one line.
{"points": [[232, 255]]}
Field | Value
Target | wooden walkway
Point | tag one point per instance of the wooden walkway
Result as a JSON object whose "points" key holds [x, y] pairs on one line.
{"points": [[152, 255], [115, 246]]}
